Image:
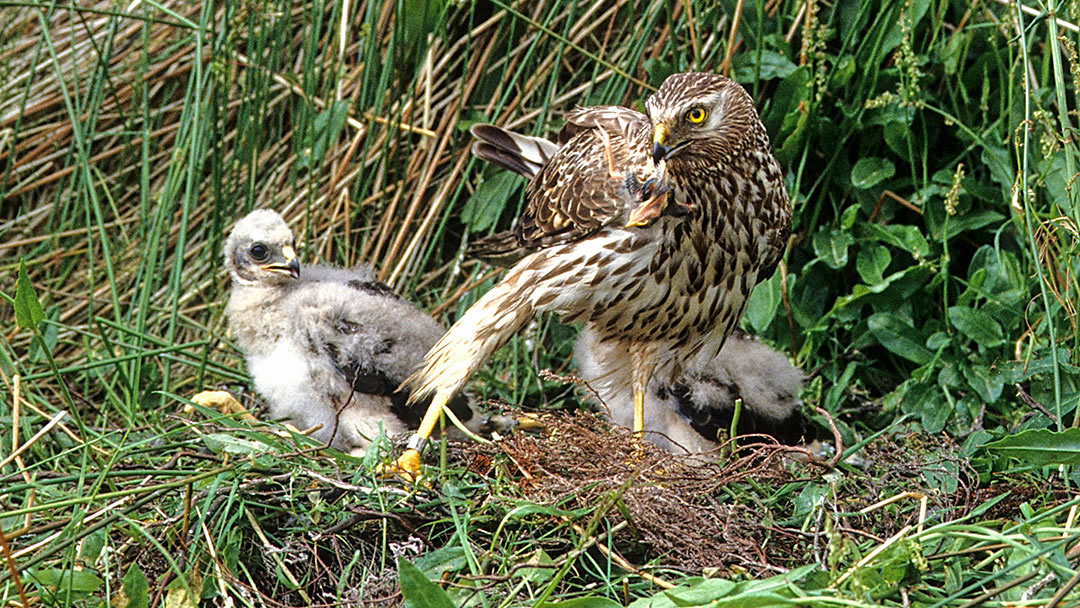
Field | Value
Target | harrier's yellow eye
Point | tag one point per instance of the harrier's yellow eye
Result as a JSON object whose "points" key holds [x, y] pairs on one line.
{"points": [[697, 115]]}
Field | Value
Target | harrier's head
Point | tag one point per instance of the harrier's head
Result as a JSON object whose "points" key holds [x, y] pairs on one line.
{"points": [[700, 118], [259, 250]]}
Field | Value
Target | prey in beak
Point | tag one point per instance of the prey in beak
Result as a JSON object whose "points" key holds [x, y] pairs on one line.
{"points": [[290, 265], [654, 196], [655, 190]]}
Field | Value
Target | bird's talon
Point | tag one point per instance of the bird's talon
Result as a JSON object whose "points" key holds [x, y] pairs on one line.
{"points": [[530, 422], [406, 467], [223, 402]]}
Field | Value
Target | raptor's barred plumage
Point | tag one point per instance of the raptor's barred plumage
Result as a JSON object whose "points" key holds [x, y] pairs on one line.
{"points": [[649, 229]]}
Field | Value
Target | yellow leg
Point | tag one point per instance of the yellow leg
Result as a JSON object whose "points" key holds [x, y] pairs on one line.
{"points": [[407, 465], [639, 412], [641, 358]]}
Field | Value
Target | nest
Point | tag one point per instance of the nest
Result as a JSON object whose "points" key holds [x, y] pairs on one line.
{"points": [[677, 508]]}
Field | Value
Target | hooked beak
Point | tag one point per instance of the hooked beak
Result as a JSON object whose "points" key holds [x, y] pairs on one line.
{"points": [[660, 149], [291, 266]]}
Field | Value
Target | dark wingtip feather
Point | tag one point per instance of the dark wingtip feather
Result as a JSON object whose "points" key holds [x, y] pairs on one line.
{"points": [[522, 154], [506, 159]]}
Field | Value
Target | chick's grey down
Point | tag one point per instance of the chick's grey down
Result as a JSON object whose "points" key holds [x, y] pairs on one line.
{"points": [[686, 415], [324, 346]]}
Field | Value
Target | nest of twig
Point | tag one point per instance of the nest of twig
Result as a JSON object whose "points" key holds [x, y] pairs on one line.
{"points": [[676, 507]]}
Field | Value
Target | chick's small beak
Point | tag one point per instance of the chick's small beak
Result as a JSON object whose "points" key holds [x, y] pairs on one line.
{"points": [[291, 261], [291, 266]]}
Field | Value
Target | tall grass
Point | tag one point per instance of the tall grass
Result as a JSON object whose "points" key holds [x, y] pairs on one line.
{"points": [[931, 282]]}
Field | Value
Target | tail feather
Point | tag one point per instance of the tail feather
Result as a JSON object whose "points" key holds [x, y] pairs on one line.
{"points": [[522, 154], [485, 327]]}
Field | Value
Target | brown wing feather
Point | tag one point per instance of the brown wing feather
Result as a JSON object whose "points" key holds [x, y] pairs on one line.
{"points": [[616, 120], [574, 194]]}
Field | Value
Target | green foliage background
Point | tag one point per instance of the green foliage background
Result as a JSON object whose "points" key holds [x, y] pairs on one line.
{"points": [[929, 150]]}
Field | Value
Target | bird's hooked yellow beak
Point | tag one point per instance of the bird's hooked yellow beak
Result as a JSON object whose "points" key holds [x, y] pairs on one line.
{"points": [[291, 265], [662, 148]]}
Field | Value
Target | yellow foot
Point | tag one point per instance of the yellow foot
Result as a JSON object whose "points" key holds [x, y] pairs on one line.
{"points": [[638, 446], [531, 422], [406, 467], [223, 402]]}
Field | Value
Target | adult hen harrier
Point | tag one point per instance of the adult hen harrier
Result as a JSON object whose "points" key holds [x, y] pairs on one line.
{"points": [[652, 230]]}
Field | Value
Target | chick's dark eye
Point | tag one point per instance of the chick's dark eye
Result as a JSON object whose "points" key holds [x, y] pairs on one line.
{"points": [[259, 252]]}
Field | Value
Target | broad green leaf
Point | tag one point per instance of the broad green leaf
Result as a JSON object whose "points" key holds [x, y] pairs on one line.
{"points": [[944, 476], [720, 593], [771, 65], [763, 303], [809, 499], [1057, 180], [485, 205], [136, 588], [950, 375], [999, 161], [1002, 270], [832, 247], [842, 73], [839, 389], [418, 591], [1018, 371], [898, 137], [904, 236], [225, 443], [789, 109], [324, 131], [871, 263], [28, 311], [657, 70], [849, 217], [987, 383], [90, 549], [540, 574], [870, 171], [450, 558], [925, 401], [527, 509], [977, 325], [937, 340], [899, 337], [1040, 447], [899, 285], [701, 594], [955, 51], [972, 220], [78, 581], [795, 123]]}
